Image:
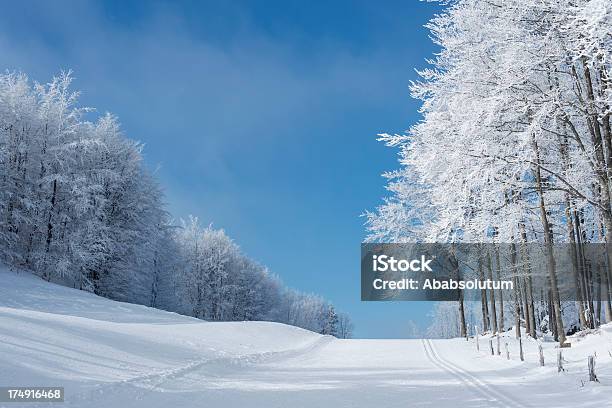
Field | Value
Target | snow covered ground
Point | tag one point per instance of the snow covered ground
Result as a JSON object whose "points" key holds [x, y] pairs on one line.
{"points": [[112, 354]]}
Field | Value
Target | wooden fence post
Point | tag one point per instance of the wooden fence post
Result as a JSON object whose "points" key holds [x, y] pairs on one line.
{"points": [[592, 376], [498, 350], [541, 355]]}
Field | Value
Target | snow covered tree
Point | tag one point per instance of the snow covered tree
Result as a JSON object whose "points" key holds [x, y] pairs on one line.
{"points": [[330, 322], [78, 207], [514, 145], [345, 326]]}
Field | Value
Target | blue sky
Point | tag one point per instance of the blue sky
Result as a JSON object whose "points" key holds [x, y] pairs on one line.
{"points": [[258, 116]]}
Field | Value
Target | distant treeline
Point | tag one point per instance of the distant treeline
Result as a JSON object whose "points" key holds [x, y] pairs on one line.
{"points": [[78, 207]]}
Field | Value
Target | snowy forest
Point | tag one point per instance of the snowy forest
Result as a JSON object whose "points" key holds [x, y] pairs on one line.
{"points": [[514, 147], [78, 207]]}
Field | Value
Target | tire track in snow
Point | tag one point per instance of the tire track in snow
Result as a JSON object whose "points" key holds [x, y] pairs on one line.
{"points": [[468, 378]]}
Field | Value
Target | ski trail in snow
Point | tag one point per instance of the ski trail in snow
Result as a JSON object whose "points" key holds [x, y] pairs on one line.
{"points": [[477, 390], [513, 400], [468, 378], [154, 381]]}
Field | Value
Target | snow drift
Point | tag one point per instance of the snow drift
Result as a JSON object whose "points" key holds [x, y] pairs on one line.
{"points": [[112, 354], [53, 335]]}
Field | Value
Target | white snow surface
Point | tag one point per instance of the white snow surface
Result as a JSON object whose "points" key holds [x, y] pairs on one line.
{"points": [[113, 354]]}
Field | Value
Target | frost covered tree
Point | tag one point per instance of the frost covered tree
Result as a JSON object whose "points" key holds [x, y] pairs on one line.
{"points": [[345, 326], [514, 146], [311, 312], [215, 281], [78, 207], [330, 322], [412, 330]]}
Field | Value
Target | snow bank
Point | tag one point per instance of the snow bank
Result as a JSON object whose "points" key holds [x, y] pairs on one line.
{"points": [[53, 335], [113, 354]]}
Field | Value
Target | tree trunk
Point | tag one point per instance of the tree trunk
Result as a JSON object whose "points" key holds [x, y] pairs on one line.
{"points": [[528, 287], [551, 264], [526, 311], [462, 315], [598, 294], [500, 292], [584, 273], [599, 132], [551, 315], [609, 297], [531, 308], [517, 302], [563, 148], [604, 283], [49, 223], [493, 311], [483, 299], [455, 265]]}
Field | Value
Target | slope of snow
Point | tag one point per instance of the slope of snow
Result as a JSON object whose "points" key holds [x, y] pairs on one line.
{"points": [[53, 335], [112, 354]]}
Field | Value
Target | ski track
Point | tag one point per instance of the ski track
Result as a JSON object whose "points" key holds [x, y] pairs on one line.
{"points": [[72, 336], [154, 381], [478, 385]]}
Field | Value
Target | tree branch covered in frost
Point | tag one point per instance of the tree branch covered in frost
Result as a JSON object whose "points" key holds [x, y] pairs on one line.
{"points": [[515, 143], [78, 207]]}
